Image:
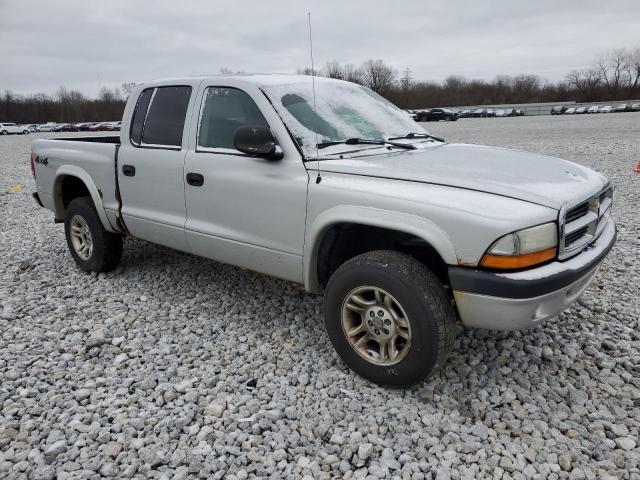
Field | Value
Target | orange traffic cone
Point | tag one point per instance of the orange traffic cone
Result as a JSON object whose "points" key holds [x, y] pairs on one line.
{"points": [[637, 169]]}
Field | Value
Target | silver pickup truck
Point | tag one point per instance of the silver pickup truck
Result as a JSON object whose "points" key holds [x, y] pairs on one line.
{"points": [[335, 188]]}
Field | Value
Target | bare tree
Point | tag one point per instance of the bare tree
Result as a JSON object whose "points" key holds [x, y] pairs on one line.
{"points": [[612, 66], [353, 74], [586, 81], [378, 76], [308, 71], [333, 70], [107, 95], [632, 71], [406, 82], [127, 88]]}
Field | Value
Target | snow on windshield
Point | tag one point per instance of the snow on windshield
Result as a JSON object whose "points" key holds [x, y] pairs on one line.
{"points": [[343, 110]]}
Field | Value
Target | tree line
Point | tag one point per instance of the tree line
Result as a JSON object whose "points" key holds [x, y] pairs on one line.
{"points": [[614, 75], [65, 106]]}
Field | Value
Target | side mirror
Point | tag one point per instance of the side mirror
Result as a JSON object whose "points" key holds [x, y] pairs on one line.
{"points": [[257, 141]]}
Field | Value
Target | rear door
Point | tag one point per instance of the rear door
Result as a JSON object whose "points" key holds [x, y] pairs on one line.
{"points": [[151, 165]]}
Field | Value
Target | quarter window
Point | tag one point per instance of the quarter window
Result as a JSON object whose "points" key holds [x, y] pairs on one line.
{"points": [[165, 120], [224, 110], [159, 116]]}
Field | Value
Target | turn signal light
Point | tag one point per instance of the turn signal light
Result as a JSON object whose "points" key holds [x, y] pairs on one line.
{"points": [[524, 260]]}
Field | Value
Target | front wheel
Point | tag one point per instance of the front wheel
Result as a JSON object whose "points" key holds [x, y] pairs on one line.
{"points": [[4, 132], [389, 318], [92, 247]]}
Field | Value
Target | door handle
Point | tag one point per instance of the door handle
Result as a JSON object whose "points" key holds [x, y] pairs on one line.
{"points": [[195, 179], [128, 170]]}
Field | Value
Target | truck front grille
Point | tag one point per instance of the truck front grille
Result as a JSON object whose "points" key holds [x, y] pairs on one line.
{"points": [[577, 212], [584, 222], [573, 236]]}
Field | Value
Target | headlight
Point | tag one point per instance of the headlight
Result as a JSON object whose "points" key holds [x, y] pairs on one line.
{"points": [[523, 248]]}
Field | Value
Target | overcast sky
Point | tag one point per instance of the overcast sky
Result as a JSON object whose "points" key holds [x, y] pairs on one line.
{"points": [[83, 44]]}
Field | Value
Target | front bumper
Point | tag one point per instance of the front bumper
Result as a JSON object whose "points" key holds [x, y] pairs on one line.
{"points": [[514, 301]]}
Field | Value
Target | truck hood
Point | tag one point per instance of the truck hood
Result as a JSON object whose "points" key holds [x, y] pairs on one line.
{"points": [[531, 177]]}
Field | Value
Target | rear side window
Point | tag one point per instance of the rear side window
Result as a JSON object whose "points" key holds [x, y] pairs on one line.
{"points": [[224, 110], [139, 114], [165, 120], [159, 117]]}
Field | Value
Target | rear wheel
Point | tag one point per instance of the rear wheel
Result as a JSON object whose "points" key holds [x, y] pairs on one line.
{"points": [[389, 318], [4, 132], [92, 247]]}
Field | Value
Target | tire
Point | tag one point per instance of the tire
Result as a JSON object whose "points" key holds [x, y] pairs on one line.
{"points": [[4, 132], [102, 249], [25, 132], [414, 293]]}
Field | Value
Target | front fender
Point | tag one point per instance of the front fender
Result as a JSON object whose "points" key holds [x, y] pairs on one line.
{"points": [[402, 222], [75, 171]]}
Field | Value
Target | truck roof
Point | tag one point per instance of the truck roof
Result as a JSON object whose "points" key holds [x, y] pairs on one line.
{"points": [[259, 79]]}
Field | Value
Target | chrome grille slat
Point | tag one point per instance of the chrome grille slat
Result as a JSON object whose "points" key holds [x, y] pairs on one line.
{"points": [[575, 235], [581, 222], [577, 212]]}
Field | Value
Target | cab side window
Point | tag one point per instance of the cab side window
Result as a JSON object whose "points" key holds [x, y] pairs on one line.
{"points": [[224, 110], [159, 117]]}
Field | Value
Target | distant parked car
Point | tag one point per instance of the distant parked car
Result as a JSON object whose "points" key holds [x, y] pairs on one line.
{"points": [[32, 127], [570, 111], [491, 112], [500, 113], [581, 110], [99, 127], [412, 114], [606, 109], [84, 126], [46, 127], [65, 127], [635, 107], [558, 110], [593, 109], [623, 107], [479, 113], [8, 128], [116, 126], [437, 114], [464, 113]]}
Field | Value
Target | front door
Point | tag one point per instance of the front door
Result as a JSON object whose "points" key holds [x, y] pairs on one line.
{"points": [[151, 167], [243, 210]]}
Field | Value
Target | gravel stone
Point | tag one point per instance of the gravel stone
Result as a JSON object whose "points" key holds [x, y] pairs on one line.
{"points": [[365, 450], [173, 366], [626, 443]]}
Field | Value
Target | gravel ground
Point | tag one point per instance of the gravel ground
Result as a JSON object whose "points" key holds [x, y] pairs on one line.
{"points": [[175, 367]]}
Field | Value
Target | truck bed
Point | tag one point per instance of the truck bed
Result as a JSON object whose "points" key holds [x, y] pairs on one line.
{"points": [[91, 159]]}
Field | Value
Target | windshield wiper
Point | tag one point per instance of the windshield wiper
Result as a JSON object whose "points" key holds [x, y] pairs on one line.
{"points": [[362, 141], [418, 135]]}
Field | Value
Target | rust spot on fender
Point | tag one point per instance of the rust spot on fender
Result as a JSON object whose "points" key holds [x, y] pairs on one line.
{"points": [[464, 263]]}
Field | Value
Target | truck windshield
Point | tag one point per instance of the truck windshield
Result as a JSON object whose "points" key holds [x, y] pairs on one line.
{"points": [[343, 111]]}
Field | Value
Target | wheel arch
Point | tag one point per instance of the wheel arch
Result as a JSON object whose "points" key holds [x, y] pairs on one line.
{"points": [[387, 224], [71, 182]]}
